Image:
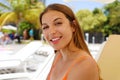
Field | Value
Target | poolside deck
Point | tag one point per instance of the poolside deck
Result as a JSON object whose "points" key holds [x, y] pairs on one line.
{"points": [[34, 65]]}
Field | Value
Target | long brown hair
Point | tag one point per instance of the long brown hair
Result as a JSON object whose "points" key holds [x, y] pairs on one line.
{"points": [[78, 34]]}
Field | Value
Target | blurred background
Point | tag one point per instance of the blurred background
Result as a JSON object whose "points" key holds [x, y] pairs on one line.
{"points": [[98, 18], [24, 54]]}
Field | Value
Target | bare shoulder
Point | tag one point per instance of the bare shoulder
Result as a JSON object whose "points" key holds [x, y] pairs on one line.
{"points": [[85, 69]]}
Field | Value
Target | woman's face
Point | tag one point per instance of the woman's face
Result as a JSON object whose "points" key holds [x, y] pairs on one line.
{"points": [[56, 29]]}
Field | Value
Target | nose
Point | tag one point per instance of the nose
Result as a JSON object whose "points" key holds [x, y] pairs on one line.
{"points": [[52, 30]]}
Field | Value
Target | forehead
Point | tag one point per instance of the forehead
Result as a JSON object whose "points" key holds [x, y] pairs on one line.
{"points": [[51, 15]]}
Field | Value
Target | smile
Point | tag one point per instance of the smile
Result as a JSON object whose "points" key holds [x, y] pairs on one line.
{"points": [[55, 40]]}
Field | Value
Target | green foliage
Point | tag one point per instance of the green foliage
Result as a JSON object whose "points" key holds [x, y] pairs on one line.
{"points": [[27, 10], [24, 25], [4, 6], [106, 21], [91, 21], [3, 16], [85, 19], [112, 11], [37, 5], [111, 30], [8, 31], [99, 20], [32, 16], [20, 5]]}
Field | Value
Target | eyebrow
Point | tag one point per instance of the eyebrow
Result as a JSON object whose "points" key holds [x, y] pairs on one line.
{"points": [[56, 19], [43, 24], [53, 21]]}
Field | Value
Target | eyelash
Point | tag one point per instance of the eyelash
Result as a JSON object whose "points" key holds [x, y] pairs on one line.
{"points": [[45, 27], [58, 23]]}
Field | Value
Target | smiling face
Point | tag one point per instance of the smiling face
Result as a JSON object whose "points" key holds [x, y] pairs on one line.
{"points": [[57, 29]]}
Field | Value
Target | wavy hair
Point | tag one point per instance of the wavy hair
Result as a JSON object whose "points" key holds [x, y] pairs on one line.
{"points": [[78, 36]]}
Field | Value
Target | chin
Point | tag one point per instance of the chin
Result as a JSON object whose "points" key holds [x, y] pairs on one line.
{"points": [[56, 48]]}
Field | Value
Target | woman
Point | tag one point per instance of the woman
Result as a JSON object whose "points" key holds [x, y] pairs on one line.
{"points": [[72, 59]]}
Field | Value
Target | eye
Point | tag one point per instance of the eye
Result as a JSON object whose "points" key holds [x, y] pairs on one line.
{"points": [[44, 27], [58, 23]]}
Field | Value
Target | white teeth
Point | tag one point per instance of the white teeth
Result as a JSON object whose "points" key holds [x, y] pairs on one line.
{"points": [[55, 39]]}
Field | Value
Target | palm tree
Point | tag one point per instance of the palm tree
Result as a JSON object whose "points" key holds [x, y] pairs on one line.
{"points": [[21, 9], [3, 6]]}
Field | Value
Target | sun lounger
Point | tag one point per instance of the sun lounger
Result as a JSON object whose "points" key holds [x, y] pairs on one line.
{"points": [[18, 60], [43, 70], [109, 60]]}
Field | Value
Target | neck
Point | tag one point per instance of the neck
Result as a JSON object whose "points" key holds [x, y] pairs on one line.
{"points": [[69, 52]]}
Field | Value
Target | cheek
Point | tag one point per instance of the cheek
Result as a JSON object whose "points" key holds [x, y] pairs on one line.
{"points": [[45, 36], [68, 32], [68, 35]]}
